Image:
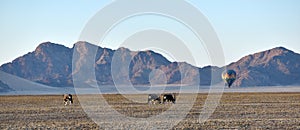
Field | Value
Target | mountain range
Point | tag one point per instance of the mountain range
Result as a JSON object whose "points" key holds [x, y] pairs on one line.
{"points": [[51, 64]]}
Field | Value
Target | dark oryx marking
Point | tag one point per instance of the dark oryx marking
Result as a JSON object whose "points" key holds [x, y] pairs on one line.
{"points": [[68, 99]]}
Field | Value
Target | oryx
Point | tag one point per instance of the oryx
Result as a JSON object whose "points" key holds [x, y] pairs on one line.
{"points": [[68, 99], [166, 98], [154, 98]]}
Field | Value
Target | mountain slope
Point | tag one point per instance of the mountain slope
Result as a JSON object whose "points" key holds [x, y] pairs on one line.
{"points": [[51, 64], [4, 87], [278, 66]]}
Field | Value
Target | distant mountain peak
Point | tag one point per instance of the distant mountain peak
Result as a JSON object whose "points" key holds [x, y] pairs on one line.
{"points": [[279, 51], [123, 49], [263, 57], [48, 45], [83, 43], [270, 67], [281, 48], [48, 48]]}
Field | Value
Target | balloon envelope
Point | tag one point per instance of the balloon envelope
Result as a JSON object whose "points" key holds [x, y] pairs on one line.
{"points": [[229, 77]]}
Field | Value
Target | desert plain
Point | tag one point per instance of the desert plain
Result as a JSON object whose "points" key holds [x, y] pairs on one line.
{"points": [[234, 111]]}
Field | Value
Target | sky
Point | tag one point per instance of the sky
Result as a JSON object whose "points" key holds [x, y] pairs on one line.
{"points": [[243, 26]]}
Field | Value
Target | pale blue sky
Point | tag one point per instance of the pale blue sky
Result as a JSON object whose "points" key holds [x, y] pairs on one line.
{"points": [[243, 26]]}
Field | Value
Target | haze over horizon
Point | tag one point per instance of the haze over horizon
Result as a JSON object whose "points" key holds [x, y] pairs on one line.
{"points": [[243, 27]]}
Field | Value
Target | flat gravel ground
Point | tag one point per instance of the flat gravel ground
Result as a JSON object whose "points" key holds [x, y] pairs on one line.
{"points": [[234, 111]]}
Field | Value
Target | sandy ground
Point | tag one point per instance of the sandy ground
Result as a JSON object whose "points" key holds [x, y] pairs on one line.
{"points": [[235, 111]]}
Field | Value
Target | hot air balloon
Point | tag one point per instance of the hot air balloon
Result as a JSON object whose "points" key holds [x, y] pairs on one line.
{"points": [[229, 77]]}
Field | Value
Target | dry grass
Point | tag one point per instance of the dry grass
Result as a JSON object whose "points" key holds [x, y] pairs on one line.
{"points": [[235, 111]]}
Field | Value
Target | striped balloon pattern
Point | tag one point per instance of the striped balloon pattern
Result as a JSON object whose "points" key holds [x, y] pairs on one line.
{"points": [[229, 77]]}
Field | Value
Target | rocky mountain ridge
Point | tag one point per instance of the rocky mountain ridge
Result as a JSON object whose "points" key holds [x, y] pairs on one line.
{"points": [[276, 67], [51, 64]]}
